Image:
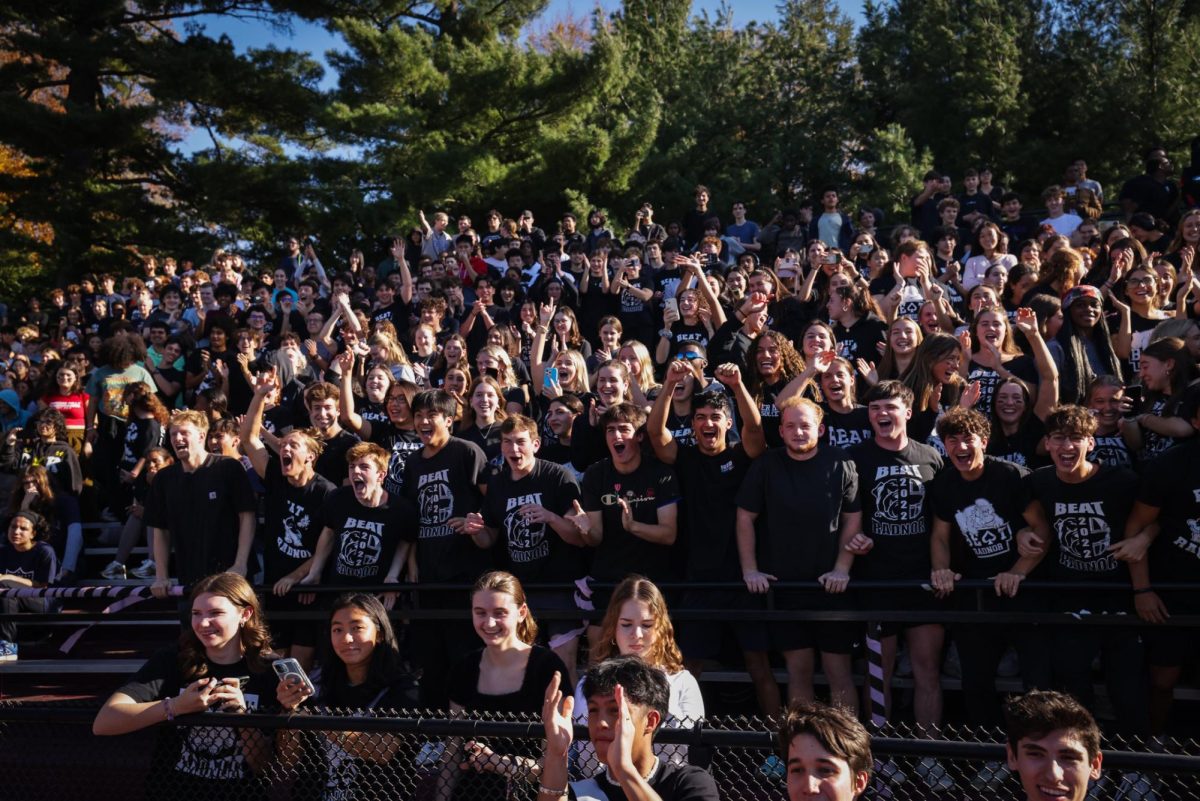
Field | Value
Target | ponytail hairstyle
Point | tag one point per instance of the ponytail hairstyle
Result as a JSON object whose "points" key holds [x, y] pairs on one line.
{"points": [[499, 581]]}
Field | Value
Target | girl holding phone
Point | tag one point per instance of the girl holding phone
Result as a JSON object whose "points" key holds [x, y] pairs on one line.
{"points": [[221, 663], [363, 672]]}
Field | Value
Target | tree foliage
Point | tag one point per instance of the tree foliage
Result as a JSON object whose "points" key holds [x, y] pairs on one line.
{"points": [[464, 105]]}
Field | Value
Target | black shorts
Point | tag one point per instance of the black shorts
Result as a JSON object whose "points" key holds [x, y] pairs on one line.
{"points": [[826, 636], [1173, 646], [559, 629], [702, 639], [301, 633], [916, 600]]}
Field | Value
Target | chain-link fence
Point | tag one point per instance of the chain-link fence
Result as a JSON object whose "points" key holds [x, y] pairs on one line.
{"points": [[48, 752]]}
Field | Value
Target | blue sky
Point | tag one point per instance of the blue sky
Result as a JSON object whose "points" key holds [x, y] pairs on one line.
{"points": [[316, 40]]}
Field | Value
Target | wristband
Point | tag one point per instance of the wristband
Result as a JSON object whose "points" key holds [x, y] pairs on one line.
{"points": [[170, 711], [665, 333], [551, 791], [1143, 591]]}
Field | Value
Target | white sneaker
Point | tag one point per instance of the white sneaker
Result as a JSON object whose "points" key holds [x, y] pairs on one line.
{"points": [[114, 571], [144, 571], [8, 651]]}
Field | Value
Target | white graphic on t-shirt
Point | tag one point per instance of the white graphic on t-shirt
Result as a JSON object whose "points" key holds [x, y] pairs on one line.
{"points": [[361, 548], [899, 497], [1190, 544], [987, 534], [1083, 537], [1110, 451], [214, 752], [526, 543], [291, 543], [436, 503]]}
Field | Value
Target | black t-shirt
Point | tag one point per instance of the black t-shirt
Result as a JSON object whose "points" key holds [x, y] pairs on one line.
{"points": [[800, 504], [394, 314], [891, 491], [768, 412], [1172, 485], [1112, 450], [346, 775], [844, 429], [542, 665], [672, 782], [443, 486], [200, 762], [647, 489], [1021, 366], [141, 434], [1086, 518], [707, 514], [984, 516], [1183, 406], [403, 443], [38, 564], [534, 551], [294, 518], [200, 510], [488, 440], [859, 341], [1021, 448], [364, 537], [332, 461]]}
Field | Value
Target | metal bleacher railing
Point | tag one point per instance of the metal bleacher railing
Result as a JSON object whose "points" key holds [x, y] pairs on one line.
{"points": [[398, 754]]}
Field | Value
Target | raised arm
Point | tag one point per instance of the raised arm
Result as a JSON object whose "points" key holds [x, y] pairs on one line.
{"points": [[754, 440], [251, 429], [665, 447], [353, 420], [1047, 391]]}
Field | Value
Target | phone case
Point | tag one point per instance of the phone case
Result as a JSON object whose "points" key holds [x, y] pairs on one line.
{"points": [[286, 668]]}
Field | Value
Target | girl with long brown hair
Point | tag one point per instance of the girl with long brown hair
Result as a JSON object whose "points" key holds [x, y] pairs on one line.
{"points": [[221, 662], [638, 623]]}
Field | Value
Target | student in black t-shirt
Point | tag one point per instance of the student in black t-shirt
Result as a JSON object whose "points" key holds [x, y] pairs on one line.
{"points": [[894, 544], [1117, 440], [367, 526], [294, 509], [626, 700], [397, 433], [203, 504], [827, 752], [980, 505], [1088, 506], [630, 508], [444, 482], [25, 562], [322, 401], [710, 473], [797, 511], [845, 420], [1170, 497], [525, 503], [508, 675], [221, 663], [364, 672]]}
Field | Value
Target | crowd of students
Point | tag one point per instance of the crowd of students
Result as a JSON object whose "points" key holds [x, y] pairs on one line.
{"points": [[977, 395]]}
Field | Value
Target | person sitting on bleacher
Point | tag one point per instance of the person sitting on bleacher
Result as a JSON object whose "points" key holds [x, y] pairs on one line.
{"points": [[222, 663], [25, 561]]}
